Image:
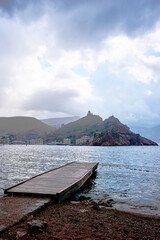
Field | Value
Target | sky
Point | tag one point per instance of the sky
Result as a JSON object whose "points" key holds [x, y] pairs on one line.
{"points": [[62, 58]]}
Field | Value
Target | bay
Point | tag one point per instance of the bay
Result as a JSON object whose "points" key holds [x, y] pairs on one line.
{"points": [[129, 175]]}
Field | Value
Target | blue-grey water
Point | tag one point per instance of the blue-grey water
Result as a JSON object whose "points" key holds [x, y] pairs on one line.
{"points": [[128, 175]]}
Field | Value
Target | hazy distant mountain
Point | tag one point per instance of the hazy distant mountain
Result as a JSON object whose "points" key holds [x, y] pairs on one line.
{"points": [[58, 122], [92, 130], [151, 133], [81, 127], [23, 126], [89, 130]]}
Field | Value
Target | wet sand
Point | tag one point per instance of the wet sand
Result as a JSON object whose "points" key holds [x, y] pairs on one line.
{"points": [[85, 220]]}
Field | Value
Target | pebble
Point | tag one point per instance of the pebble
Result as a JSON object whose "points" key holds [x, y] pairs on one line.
{"points": [[20, 235], [105, 204], [37, 226]]}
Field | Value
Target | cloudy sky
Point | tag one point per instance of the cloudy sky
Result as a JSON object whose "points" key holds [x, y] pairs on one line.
{"points": [[64, 57]]}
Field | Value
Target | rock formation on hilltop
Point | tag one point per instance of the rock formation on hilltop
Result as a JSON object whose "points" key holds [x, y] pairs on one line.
{"points": [[92, 130], [89, 130], [117, 134], [85, 126]]}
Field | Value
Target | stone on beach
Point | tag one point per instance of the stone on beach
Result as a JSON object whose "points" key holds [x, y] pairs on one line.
{"points": [[105, 204], [20, 235], [37, 226]]}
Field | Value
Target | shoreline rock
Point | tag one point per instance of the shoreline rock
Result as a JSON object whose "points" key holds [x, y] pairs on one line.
{"points": [[72, 221]]}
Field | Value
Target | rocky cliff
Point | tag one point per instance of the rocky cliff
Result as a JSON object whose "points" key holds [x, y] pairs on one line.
{"points": [[115, 133], [92, 130]]}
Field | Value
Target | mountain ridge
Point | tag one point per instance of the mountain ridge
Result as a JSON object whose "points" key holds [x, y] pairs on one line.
{"points": [[79, 128], [20, 128], [58, 122], [88, 130], [92, 130]]}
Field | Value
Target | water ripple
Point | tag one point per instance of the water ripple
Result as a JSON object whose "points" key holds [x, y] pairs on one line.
{"points": [[129, 175]]}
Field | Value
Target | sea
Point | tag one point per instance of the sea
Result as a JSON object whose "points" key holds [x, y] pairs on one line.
{"points": [[127, 175]]}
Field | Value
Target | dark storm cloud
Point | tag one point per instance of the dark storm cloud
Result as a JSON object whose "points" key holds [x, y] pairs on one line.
{"points": [[10, 6], [34, 9], [87, 21], [55, 101], [103, 15]]}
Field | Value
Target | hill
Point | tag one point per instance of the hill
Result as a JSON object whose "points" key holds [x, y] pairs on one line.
{"points": [[22, 128], [84, 126], [92, 130], [89, 130], [58, 122], [115, 133]]}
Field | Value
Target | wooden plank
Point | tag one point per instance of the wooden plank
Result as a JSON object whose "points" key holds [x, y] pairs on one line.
{"points": [[59, 183]]}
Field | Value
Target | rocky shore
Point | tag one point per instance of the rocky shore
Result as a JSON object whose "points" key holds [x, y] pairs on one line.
{"points": [[84, 220]]}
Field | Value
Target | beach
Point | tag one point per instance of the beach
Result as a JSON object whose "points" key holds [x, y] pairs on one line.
{"points": [[84, 220], [131, 182]]}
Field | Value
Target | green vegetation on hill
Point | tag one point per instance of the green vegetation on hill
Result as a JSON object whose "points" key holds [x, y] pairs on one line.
{"points": [[113, 124], [114, 133], [89, 130], [92, 130], [84, 126], [22, 128]]}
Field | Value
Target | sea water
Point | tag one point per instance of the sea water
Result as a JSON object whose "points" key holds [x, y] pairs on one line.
{"points": [[130, 175]]}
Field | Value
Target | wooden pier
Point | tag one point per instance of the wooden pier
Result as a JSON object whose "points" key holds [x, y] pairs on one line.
{"points": [[59, 183]]}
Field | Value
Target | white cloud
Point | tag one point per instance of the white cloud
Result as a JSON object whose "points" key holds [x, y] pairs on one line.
{"points": [[125, 53], [38, 55], [149, 92], [27, 77]]}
